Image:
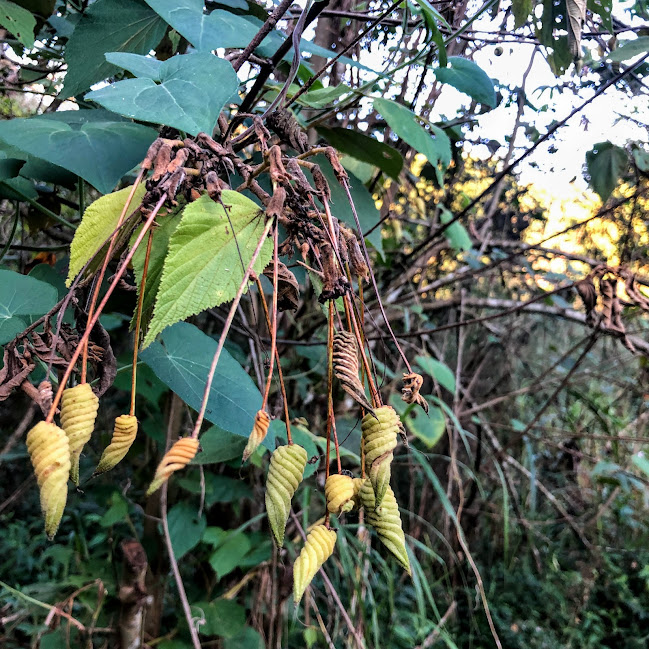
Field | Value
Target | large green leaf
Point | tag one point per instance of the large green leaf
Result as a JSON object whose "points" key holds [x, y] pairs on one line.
{"points": [[368, 215], [468, 77], [427, 428], [630, 49], [365, 148], [22, 296], [186, 92], [97, 145], [205, 32], [108, 26], [182, 359], [441, 372], [605, 164], [219, 445], [18, 21], [98, 222], [223, 617], [159, 246], [456, 233], [185, 528], [434, 144], [208, 254], [227, 556]]}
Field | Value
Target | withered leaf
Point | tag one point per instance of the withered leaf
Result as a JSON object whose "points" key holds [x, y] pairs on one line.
{"points": [[288, 290]]}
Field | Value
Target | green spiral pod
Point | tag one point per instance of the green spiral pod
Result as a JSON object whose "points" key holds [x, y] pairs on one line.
{"points": [[284, 475], [387, 522], [124, 435], [380, 439], [318, 547]]}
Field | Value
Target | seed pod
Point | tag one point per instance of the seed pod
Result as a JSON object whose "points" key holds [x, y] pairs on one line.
{"points": [[358, 484], [339, 493], [412, 383], [387, 522], [380, 439], [177, 457], [318, 547], [259, 430], [124, 435], [49, 451], [284, 475], [79, 407], [345, 360]]}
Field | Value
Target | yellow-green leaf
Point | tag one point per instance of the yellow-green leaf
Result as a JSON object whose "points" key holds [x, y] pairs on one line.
{"points": [[99, 221], [207, 257]]}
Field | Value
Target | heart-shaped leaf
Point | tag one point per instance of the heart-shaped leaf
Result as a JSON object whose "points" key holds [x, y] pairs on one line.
{"points": [[77, 139], [606, 163], [434, 144], [182, 359], [108, 26], [468, 77], [185, 528], [208, 254], [186, 92], [205, 32]]}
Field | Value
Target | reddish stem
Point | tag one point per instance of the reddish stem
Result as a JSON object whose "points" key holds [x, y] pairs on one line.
{"points": [[273, 328]]}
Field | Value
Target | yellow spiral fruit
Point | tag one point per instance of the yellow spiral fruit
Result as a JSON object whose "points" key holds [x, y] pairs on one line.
{"points": [[387, 522], [177, 457], [318, 547], [49, 451], [259, 430], [339, 493], [79, 407], [380, 439], [284, 475], [124, 435]]}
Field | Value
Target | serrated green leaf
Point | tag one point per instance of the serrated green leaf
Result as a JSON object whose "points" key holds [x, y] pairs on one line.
{"points": [[468, 77], [98, 222], [605, 164], [21, 295], [18, 21], [456, 233], [187, 91], [441, 372], [181, 361], [434, 144], [159, 246], [207, 257], [77, 139], [108, 26]]}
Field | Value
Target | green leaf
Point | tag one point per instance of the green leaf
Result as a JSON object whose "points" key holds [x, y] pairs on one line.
{"points": [[108, 26], [208, 254], [323, 97], [605, 164], [223, 617], [434, 144], [456, 233], [185, 528], [182, 359], [522, 10], [604, 8], [21, 295], [427, 428], [98, 222], [18, 21], [438, 370], [205, 32], [365, 148], [159, 246], [183, 93], [117, 512], [219, 445], [77, 139], [218, 488], [248, 638], [629, 50], [228, 555], [469, 78], [368, 215]]}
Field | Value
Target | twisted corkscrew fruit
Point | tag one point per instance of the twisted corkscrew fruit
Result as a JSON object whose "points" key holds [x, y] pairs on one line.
{"points": [[49, 450], [318, 547], [339, 493], [79, 407], [177, 457], [345, 362], [380, 438], [387, 522], [284, 475], [124, 435], [259, 430]]}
